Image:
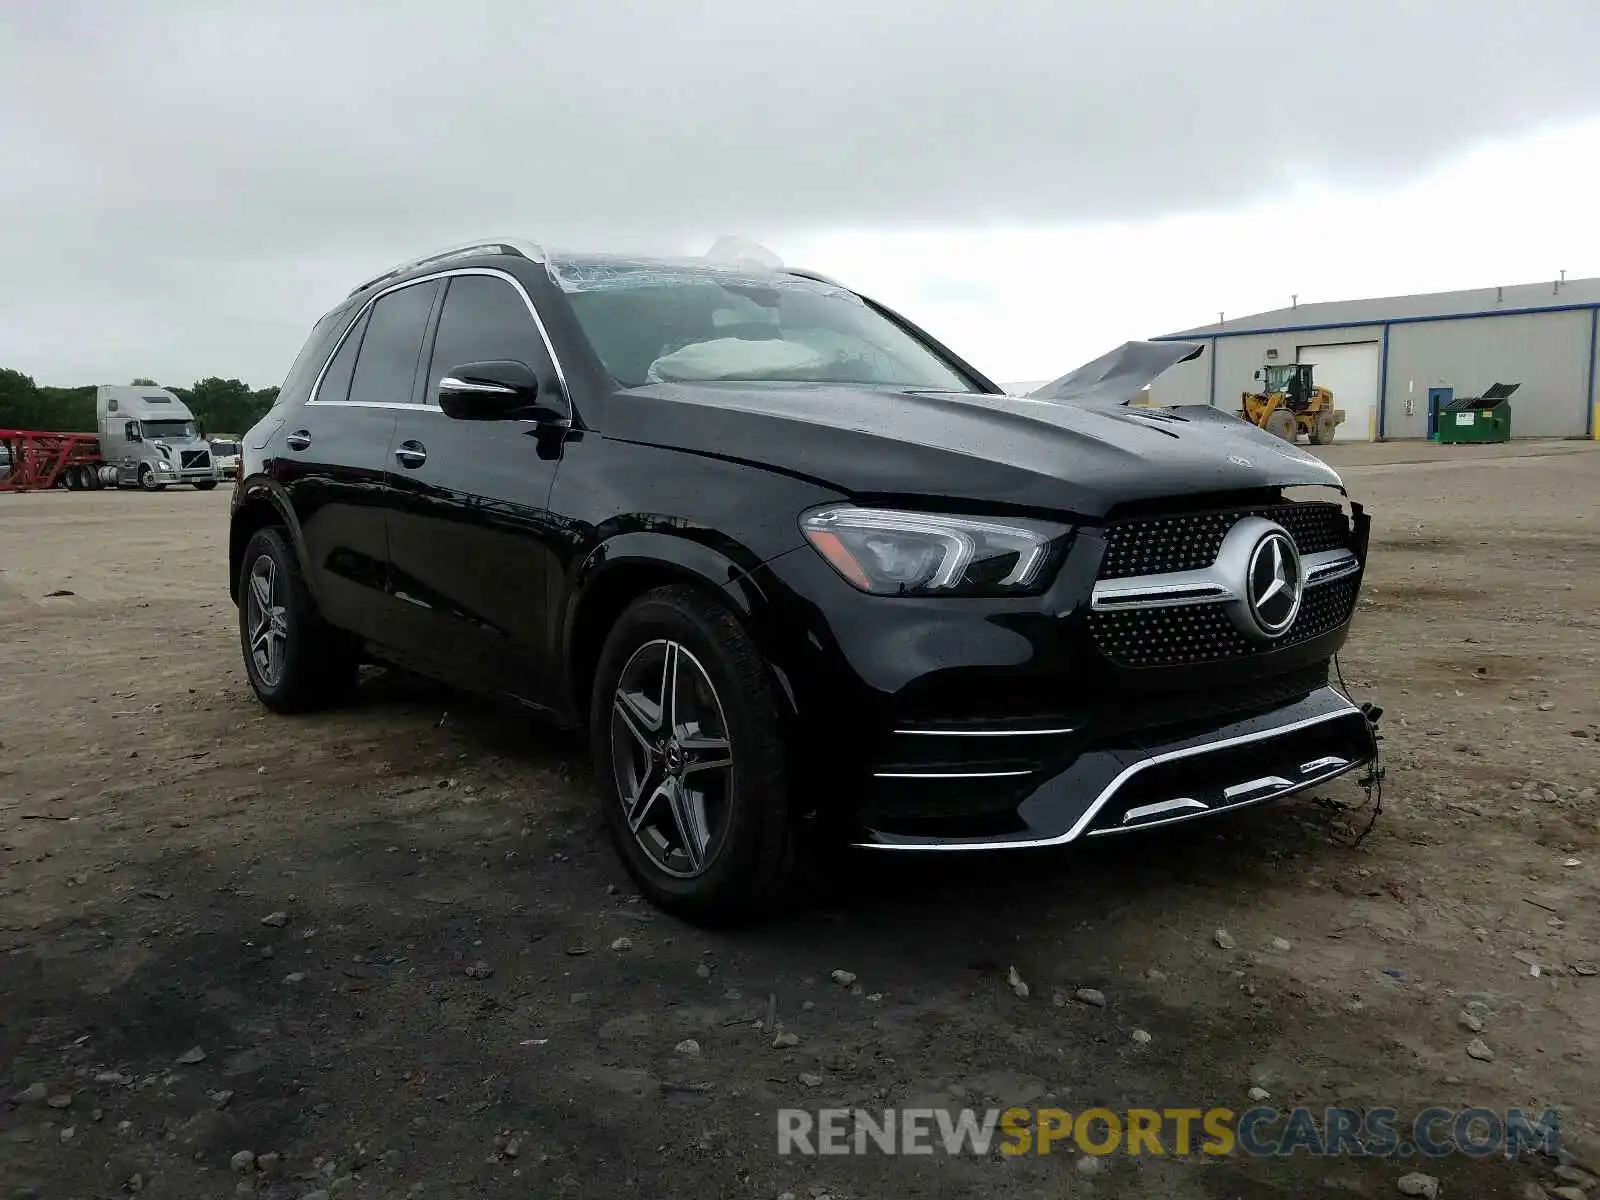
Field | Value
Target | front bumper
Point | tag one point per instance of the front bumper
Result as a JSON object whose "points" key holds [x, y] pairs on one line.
{"points": [[1038, 721], [191, 475], [1138, 783]]}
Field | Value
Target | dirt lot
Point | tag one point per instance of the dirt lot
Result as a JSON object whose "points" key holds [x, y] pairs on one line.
{"points": [[226, 931]]}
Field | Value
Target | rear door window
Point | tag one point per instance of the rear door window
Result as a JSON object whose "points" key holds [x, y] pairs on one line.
{"points": [[386, 368]]}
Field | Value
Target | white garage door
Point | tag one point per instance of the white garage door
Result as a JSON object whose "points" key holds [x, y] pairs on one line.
{"points": [[1350, 372]]}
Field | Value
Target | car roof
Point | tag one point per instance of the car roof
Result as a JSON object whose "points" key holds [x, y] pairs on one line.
{"points": [[575, 270]]}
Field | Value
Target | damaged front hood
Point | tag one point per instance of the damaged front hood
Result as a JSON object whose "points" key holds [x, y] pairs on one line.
{"points": [[988, 449], [1119, 376]]}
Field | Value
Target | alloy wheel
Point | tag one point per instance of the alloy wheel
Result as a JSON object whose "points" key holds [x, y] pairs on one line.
{"points": [[268, 620], [672, 758]]}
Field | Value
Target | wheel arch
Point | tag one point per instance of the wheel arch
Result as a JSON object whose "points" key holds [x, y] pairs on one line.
{"points": [[624, 568], [261, 504]]}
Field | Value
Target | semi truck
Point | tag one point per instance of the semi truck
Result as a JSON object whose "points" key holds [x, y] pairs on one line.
{"points": [[150, 439], [146, 438]]}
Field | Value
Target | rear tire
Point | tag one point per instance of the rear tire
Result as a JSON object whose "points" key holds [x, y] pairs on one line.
{"points": [[710, 765], [1323, 429], [295, 661]]}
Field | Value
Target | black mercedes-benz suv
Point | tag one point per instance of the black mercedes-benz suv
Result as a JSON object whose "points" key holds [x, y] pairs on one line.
{"points": [[802, 572]]}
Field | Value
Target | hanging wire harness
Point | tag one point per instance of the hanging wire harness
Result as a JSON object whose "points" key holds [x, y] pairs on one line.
{"points": [[1372, 781]]}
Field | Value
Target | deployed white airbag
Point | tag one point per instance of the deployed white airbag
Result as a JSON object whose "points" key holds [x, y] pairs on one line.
{"points": [[736, 358]]}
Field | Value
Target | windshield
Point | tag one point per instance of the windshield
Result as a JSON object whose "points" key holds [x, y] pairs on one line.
{"points": [[651, 321], [176, 430], [225, 447]]}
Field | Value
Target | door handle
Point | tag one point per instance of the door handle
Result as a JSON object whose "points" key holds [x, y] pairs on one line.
{"points": [[300, 439], [411, 455]]}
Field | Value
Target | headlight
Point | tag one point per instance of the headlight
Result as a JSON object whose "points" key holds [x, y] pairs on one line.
{"points": [[893, 553]]}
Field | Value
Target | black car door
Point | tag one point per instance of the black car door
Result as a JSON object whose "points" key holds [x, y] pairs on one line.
{"points": [[470, 534], [336, 452]]}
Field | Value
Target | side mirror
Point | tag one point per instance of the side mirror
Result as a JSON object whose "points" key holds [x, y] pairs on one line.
{"points": [[1258, 374], [501, 390]]}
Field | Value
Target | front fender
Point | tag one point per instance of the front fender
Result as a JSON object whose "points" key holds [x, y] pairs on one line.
{"points": [[640, 552], [621, 567]]}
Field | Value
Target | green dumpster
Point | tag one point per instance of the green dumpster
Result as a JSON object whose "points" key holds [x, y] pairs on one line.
{"points": [[1485, 418]]}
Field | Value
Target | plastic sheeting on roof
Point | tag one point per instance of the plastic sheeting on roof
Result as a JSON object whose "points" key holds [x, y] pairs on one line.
{"points": [[603, 272], [732, 249]]}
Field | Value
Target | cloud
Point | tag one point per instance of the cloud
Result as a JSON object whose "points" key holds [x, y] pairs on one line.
{"points": [[181, 172], [1062, 295]]}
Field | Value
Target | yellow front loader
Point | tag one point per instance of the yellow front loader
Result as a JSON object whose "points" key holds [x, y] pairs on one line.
{"points": [[1289, 404]]}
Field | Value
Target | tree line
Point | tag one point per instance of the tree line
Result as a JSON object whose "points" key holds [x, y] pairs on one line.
{"points": [[219, 405]]}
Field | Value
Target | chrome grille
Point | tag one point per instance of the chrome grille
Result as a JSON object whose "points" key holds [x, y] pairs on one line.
{"points": [[1197, 633], [1189, 541]]}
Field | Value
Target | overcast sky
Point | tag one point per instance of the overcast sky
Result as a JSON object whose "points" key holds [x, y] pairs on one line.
{"points": [[187, 184]]}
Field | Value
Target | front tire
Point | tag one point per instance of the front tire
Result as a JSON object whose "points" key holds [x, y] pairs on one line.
{"points": [[148, 481], [690, 760], [1283, 424], [205, 485], [294, 660]]}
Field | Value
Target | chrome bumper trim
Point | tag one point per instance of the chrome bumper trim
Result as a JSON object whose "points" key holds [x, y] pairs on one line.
{"points": [[1318, 764], [1112, 788], [1161, 808], [1257, 794], [1265, 783]]}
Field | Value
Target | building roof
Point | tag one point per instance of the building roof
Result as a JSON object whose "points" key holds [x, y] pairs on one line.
{"points": [[1516, 297]]}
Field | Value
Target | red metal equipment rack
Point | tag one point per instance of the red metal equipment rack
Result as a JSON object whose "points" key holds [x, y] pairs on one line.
{"points": [[44, 460]]}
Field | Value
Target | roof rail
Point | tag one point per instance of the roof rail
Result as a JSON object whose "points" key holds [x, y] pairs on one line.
{"points": [[517, 246]]}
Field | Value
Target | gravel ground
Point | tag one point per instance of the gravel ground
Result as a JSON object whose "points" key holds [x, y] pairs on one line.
{"points": [[387, 952]]}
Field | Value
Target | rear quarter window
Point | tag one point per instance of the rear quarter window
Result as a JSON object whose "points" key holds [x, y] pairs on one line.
{"points": [[335, 384], [297, 383]]}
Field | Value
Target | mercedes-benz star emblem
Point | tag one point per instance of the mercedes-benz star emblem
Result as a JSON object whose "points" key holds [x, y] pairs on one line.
{"points": [[1259, 568], [1273, 584]]}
